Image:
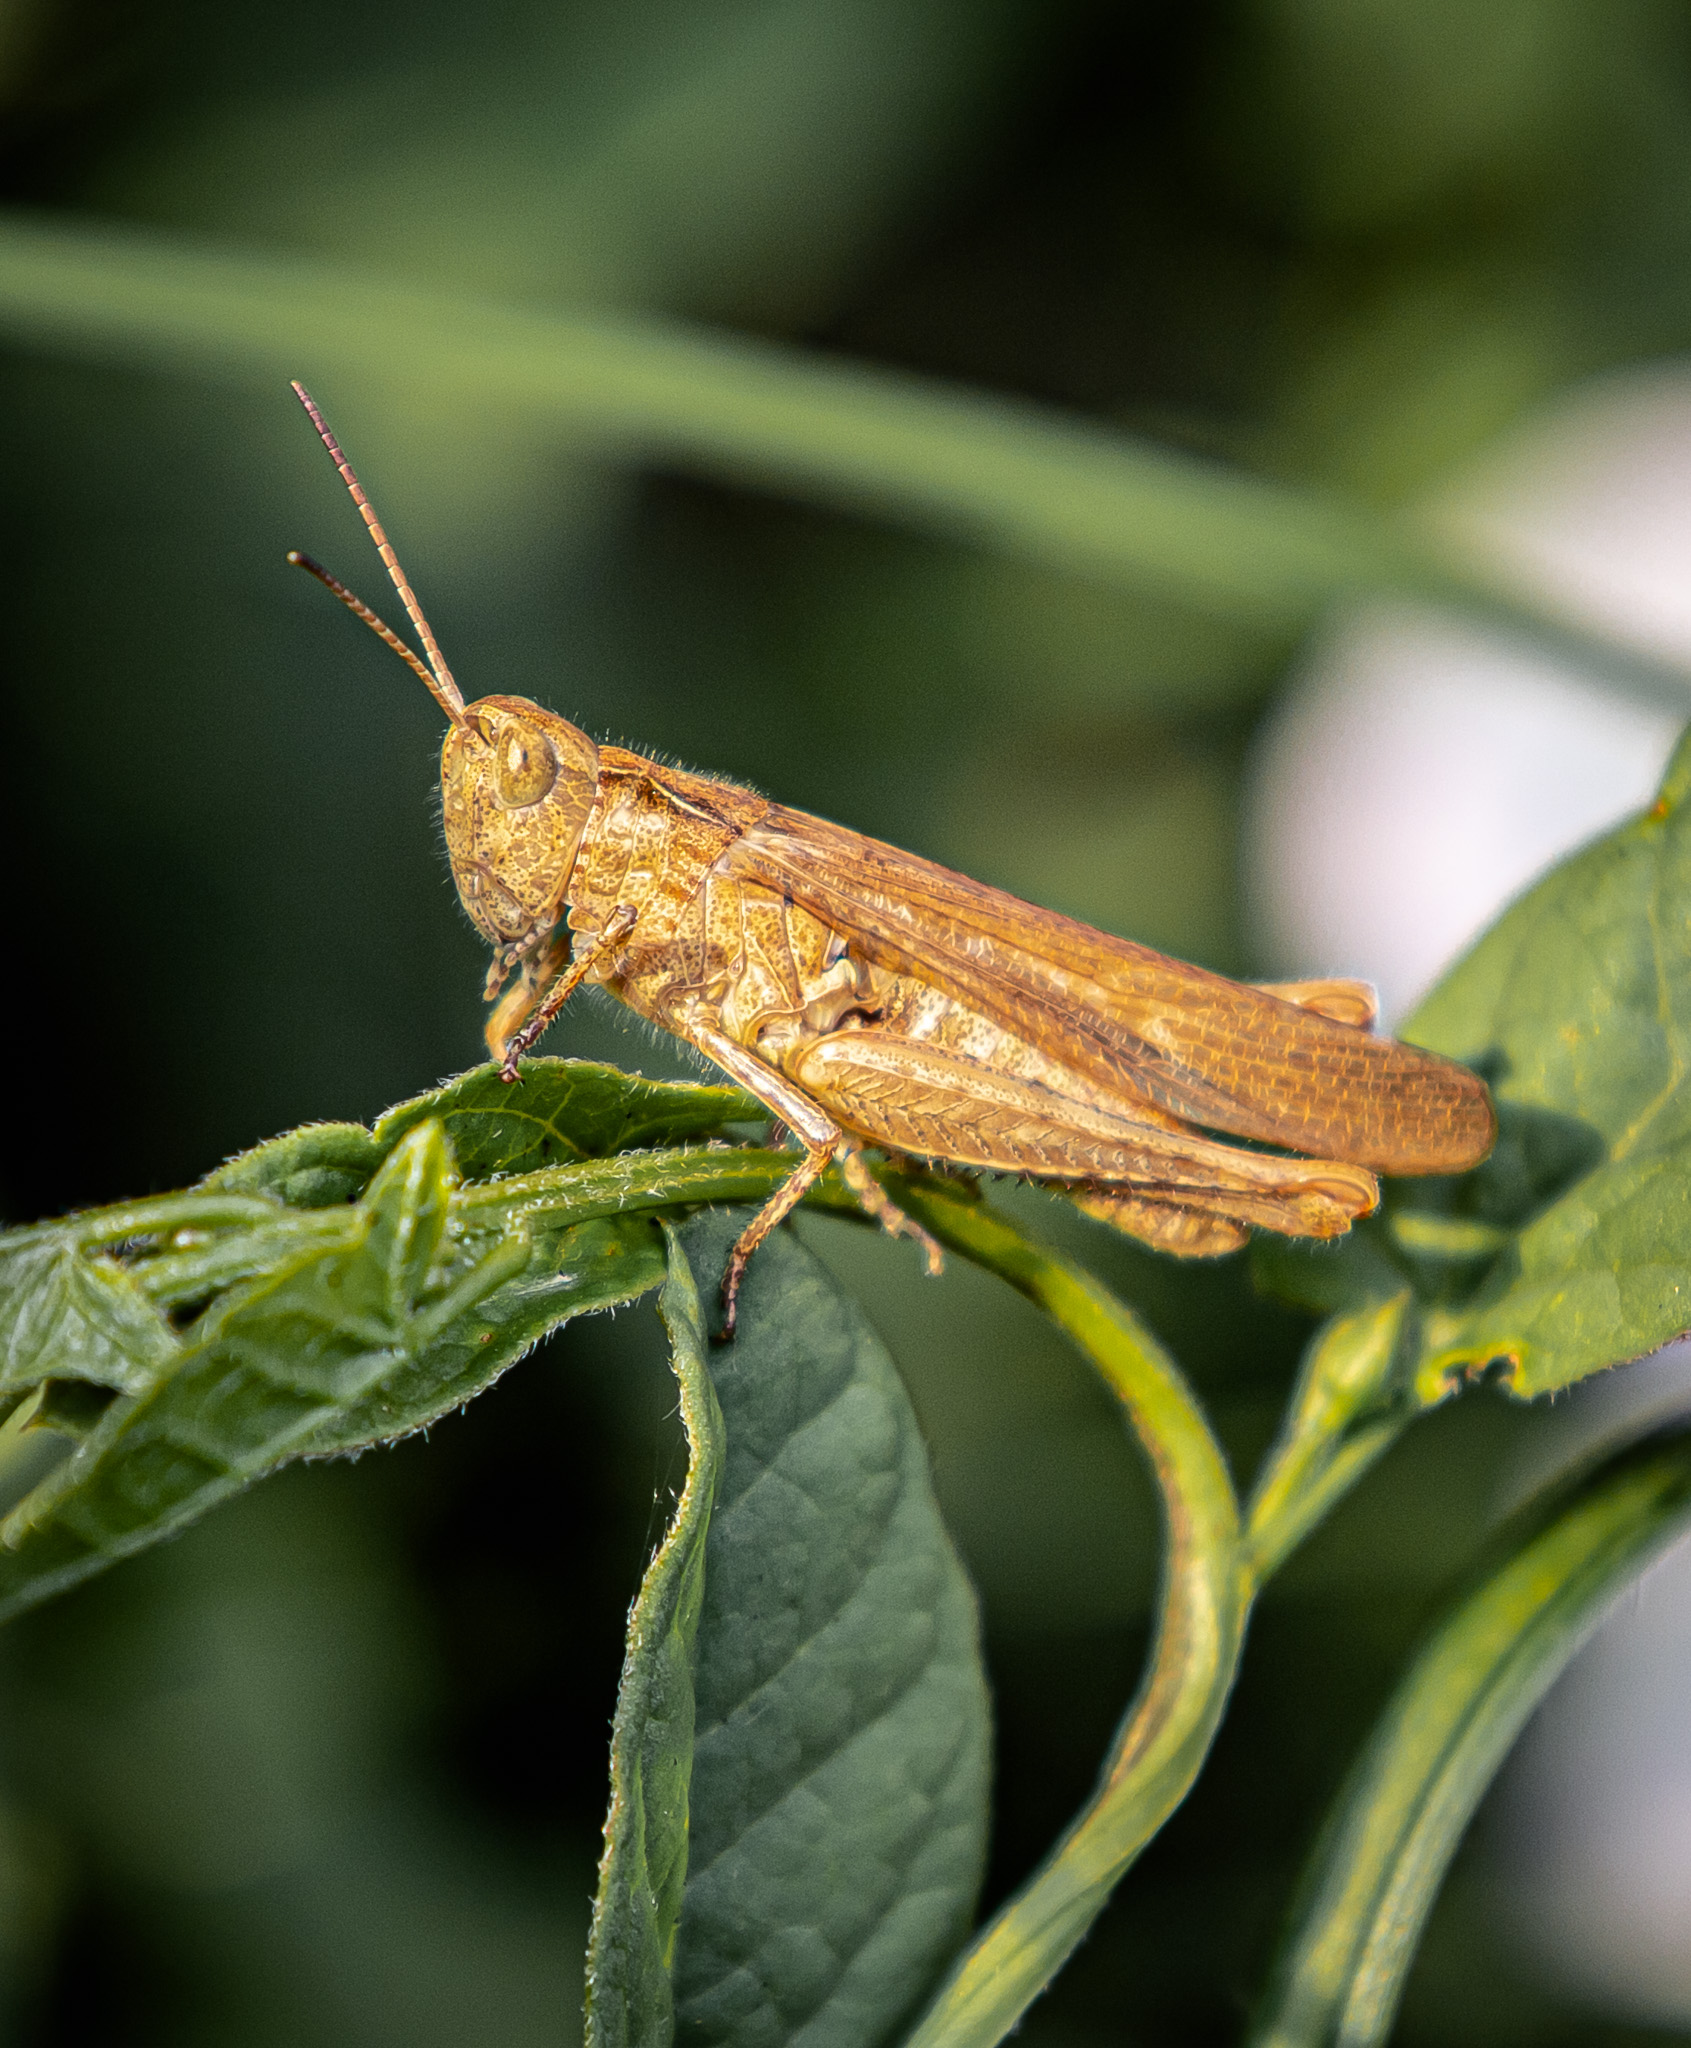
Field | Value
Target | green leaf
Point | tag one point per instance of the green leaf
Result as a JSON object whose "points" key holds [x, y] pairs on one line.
{"points": [[1569, 1249], [1577, 1005], [1050, 487], [637, 1913], [71, 1316], [840, 1772], [369, 1321], [558, 1110], [333, 1289], [311, 1168], [1403, 1810]]}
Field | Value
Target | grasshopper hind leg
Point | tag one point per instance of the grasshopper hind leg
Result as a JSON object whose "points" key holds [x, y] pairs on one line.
{"points": [[1165, 1226]]}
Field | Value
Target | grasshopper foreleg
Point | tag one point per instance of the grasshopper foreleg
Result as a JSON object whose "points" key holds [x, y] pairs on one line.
{"points": [[508, 1050]]}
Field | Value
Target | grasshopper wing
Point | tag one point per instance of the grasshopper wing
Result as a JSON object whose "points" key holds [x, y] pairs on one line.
{"points": [[1219, 1054]]}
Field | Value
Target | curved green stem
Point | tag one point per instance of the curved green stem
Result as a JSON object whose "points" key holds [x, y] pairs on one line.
{"points": [[1167, 1733], [1341, 1419], [665, 1177], [1402, 1812]]}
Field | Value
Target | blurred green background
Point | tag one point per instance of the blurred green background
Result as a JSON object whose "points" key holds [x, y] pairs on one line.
{"points": [[329, 1770]]}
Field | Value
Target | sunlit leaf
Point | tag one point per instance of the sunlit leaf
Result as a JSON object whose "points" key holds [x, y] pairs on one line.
{"points": [[1570, 1248]]}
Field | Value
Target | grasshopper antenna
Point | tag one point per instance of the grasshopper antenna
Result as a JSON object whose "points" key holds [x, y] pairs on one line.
{"points": [[436, 677]]}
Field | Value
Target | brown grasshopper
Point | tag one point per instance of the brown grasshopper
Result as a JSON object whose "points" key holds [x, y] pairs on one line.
{"points": [[867, 997]]}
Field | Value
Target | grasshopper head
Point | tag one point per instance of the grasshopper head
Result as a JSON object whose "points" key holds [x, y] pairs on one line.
{"points": [[517, 783]]}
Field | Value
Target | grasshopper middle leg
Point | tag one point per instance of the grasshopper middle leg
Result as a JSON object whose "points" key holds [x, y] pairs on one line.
{"points": [[822, 1139]]}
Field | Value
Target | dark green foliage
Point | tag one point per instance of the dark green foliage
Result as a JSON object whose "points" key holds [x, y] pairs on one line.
{"points": [[840, 1772], [814, 1767], [799, 1761], [949, 417]]}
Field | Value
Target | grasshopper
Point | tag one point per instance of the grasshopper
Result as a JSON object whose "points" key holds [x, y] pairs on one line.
{"points": [[865, 996]]}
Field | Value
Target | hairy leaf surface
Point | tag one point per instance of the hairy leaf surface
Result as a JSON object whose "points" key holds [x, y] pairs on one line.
{"points": [[637, 1913], [334, 1288], [558, 1111], [839, 1788]]}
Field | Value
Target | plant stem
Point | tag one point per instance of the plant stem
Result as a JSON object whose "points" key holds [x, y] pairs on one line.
{"points": [[1406, 1803], [1167, 1733]]}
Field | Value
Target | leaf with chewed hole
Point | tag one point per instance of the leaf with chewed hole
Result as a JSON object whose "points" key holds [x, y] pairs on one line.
{"points": [[1569, 1249]]}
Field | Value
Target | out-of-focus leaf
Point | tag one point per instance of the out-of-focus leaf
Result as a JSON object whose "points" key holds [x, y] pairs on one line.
{"points": [[1402, 1812], [840, 1771], [1570, 1248], [1056, 489], [637, 1913]]}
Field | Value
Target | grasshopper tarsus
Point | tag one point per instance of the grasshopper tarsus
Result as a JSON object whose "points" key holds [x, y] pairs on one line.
{"points": [[876, 1202], [732, 1275]]}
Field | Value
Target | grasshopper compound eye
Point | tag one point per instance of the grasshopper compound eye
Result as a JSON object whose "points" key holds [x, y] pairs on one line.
{"points": [[524, 765]]}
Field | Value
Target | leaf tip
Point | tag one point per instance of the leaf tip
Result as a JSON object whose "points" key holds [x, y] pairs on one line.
{"points": [[1676, 780]]}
